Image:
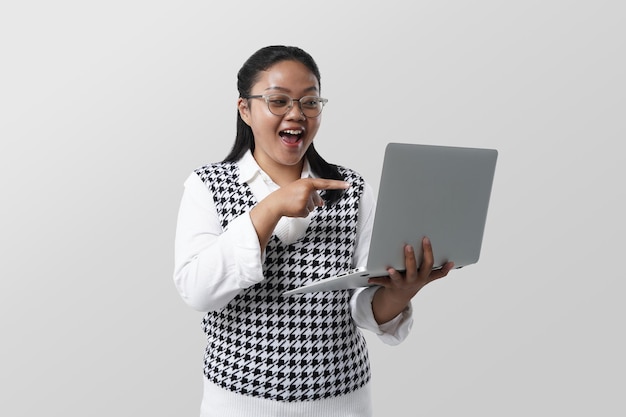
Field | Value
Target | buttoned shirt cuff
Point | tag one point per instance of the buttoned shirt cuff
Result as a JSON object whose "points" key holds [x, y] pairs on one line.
{"points": [[392, 332]]}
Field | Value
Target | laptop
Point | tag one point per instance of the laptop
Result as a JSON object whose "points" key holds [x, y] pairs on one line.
{"points": [[441, 192]]}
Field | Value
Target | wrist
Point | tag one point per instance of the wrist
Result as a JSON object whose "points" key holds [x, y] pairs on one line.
{"points": [[387, 303], [398, 296], [267, 210]]}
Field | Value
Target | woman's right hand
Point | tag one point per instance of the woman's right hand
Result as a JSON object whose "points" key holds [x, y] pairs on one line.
{"points": [[301, 197], [297, 199]]}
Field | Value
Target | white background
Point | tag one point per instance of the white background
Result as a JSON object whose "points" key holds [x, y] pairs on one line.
{"points": [[106, 107]]}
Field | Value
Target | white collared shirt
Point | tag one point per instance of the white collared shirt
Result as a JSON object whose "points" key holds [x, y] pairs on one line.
{"points": [[213, 265]]}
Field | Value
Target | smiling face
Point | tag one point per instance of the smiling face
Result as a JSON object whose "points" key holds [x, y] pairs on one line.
{"points": [[281, 141]]}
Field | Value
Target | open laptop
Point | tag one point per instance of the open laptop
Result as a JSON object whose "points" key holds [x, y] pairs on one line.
{"points": [[437, 191]]}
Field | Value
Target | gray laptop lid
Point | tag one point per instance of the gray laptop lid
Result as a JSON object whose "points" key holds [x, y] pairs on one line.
{"points": [[441, 192]]}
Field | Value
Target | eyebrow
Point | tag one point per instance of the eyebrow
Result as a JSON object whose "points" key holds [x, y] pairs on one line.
{"points": [[286, 90]]}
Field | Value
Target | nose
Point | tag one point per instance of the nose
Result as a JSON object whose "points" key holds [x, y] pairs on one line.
{"points": [[295, 112]]}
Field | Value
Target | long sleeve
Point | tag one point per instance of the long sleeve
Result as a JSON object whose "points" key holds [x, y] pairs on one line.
{"points": [[396, 330], [211, 265]]}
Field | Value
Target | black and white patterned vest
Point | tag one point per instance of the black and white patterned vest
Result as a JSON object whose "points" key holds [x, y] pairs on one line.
{"points": [[298, 348]]}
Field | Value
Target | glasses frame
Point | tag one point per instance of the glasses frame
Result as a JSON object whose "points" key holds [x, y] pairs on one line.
{"points": [[266, 97]]}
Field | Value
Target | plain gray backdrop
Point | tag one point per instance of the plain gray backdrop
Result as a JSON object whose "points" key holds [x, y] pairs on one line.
{"points": [[106, 107]]}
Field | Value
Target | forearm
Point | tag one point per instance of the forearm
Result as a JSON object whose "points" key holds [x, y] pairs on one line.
{"points": [[211, 270], [264, 219], [391, 332], [386, 304]]}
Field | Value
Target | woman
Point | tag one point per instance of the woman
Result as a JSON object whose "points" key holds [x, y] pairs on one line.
{"points": [[272, 216]]}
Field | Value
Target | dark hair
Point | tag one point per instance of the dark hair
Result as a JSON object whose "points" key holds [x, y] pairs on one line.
{"points": [[247, 76]]}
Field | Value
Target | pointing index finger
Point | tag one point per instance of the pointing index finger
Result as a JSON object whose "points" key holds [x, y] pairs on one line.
{"points": [[326, 184]]}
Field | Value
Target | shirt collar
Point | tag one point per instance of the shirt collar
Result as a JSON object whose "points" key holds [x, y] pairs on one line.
{"points": [[249, 169]]}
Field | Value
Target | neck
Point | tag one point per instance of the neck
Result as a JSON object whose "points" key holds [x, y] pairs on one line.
{"points": [[286, 175], [282, 174]]}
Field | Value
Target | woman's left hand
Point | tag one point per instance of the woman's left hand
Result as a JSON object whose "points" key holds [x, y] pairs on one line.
{"points": [[400, 287]]}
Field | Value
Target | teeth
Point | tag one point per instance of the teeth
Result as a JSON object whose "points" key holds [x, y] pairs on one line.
{"points": [[293, 132]]}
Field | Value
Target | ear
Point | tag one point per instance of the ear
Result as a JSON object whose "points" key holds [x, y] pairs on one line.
{"points": [[244, 110]]}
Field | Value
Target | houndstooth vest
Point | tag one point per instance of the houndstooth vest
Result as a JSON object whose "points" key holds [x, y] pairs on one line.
{"points": [[297, 348]]}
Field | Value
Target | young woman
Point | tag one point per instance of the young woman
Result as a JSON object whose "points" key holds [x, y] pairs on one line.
{"points": [[272, 216]]}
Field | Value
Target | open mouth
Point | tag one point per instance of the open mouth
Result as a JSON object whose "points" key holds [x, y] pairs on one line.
{"points": [[291, 136]]}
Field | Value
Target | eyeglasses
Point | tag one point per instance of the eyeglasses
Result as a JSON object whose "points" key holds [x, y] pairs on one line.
{"points": [[281, 104]]}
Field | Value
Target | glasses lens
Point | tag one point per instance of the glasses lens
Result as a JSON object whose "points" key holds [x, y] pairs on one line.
{"points": [[279, 104], [311, 106]]}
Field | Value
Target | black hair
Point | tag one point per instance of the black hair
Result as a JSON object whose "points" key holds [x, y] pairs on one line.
{"points": [[247, 76]]}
